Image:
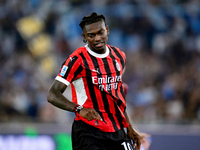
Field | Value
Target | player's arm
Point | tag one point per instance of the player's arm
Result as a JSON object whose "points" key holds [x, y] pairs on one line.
{"points": [[143, 136], [133, 134], [55, 96]]}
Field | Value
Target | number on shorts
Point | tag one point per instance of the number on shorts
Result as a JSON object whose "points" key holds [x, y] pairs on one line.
{"points": [[127, 146]]}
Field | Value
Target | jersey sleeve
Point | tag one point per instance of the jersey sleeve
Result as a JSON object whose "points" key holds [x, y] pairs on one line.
{"points": [[70, 70]]}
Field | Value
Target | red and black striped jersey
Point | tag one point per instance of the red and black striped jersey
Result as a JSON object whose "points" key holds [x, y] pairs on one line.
{"points": [[96, 82]]}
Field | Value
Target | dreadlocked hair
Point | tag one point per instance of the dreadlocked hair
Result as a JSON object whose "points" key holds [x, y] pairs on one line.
{"points": [[94, 17]]}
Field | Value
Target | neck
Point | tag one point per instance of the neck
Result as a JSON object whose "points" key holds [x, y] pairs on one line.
{"points": [[100, 51], [97, 54]]}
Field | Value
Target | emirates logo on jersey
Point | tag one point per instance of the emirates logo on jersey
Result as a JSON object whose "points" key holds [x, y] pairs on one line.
{"points": [[107, 83], [118, 66]]}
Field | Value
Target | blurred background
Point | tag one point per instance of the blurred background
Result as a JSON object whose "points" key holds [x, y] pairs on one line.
{"points": [[161, 39]]}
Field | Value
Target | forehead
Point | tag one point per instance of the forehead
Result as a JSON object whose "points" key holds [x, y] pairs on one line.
{"points": [[94, 27]]}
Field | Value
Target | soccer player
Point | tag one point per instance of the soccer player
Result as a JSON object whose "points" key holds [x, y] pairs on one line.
{"points": [[98, 99]]}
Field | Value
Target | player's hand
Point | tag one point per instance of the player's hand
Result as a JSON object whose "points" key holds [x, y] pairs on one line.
{"points": [[89, 114], [144, 140], [135, 137]]}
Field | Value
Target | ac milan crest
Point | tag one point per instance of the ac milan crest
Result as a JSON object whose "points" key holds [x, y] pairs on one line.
{"points": [[118, 66]]}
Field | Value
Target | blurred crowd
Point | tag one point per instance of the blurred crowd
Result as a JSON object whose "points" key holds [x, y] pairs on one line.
{"points": [[161, 39]]}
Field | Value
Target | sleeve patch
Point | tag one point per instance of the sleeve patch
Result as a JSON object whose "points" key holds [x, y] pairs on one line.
{"points": [[64, 70]]}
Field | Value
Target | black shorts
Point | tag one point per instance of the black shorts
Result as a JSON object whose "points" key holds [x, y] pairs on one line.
{"points": [[86, 137]]}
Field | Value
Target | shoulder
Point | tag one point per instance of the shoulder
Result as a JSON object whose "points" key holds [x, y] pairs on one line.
{"points": [[116, 50], [77, 53], [75, 57]]}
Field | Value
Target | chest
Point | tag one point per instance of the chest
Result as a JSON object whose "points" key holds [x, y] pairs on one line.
{"points": [[103, 66]]}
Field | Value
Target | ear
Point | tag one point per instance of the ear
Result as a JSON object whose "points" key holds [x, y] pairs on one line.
{"points": [[84, 38], [83, 35], [107, 29]]}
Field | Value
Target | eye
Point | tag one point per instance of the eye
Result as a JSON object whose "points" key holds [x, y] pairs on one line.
{"points": [[101, 32], [91, 35]]}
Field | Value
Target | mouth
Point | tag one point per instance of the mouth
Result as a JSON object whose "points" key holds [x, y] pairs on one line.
{"points": [[98, 45]]}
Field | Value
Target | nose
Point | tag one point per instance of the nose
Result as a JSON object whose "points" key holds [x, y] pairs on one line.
{"points": [[97, 37]]}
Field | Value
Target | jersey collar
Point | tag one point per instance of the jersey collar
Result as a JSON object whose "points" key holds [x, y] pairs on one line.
{"points": [[96, 54]]}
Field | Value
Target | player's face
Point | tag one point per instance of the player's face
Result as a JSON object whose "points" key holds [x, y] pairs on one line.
{"points": [[96, 35]]}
